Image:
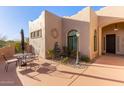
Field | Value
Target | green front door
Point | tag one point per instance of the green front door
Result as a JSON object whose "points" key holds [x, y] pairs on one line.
{"points": [[72, 41]]}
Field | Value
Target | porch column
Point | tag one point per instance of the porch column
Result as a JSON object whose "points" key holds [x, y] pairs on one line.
{"points": [[100, 41]]}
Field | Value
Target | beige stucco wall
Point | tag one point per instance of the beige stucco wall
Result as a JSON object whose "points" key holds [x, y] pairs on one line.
{"points": [[81, 23], [85, 22], [52, 22], [93, 27], [111, 11], [38, 44], [119, 37], [106, 16]]}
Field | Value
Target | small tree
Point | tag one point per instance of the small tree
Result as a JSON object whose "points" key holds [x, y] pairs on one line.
{"points": [[57, 50]]}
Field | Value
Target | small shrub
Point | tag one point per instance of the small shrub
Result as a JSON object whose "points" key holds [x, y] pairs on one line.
{"points": [[65, 60], [18, 47], [50, 53], [65, 51], [85, 58], [2, 43], [57, 50], [74, 54]]}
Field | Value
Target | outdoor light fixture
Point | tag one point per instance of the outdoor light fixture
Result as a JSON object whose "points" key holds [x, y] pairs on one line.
{"points": [[116, 28], [77, 34]]}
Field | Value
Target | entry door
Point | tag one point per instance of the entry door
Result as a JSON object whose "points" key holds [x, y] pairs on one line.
{"points": [[110, 43], [72, 42]]}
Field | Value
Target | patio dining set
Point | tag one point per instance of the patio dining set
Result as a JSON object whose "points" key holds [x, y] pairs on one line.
{"points": [[20, 59]]}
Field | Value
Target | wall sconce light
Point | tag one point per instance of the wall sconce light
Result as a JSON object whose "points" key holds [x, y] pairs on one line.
{"points": [[116, 28]]}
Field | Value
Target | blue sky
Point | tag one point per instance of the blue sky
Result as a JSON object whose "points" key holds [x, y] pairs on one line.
{"points": [[13, 19]]}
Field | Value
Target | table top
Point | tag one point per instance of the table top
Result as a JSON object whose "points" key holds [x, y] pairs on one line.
{"points": [[21, 54]]}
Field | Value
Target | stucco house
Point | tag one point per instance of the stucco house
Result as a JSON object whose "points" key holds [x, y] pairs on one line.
{"points": [[100, 31]]}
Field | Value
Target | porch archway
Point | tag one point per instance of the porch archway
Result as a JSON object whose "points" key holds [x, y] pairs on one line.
{"points": [[113, 38]]}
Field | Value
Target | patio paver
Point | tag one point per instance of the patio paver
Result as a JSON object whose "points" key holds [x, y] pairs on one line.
{"points": [[55, 74]]}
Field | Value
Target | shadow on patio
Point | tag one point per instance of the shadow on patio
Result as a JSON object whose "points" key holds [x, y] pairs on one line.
{"points": [[45, 68]]}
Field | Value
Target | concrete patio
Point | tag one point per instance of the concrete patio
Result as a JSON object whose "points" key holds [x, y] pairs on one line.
{"points": [[54, 74]]}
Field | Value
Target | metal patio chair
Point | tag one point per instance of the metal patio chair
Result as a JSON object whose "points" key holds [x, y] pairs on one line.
{"points": [[9, 61], [29, 60]]}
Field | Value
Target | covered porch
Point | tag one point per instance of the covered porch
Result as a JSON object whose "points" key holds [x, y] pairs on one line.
{"points": [[111, 60], [111, 36]]}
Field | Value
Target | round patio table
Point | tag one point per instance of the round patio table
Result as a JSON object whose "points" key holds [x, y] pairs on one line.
{"points": [[19, 55], [22, 56]]}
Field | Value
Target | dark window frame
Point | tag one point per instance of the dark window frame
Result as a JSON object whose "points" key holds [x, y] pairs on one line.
{"points": [[95, 40], [36, 34]]}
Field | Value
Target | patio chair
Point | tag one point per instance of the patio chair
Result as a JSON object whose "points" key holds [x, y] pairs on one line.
{"points": [[34, 57], [34, 64], [29, 60], [9, 61]]}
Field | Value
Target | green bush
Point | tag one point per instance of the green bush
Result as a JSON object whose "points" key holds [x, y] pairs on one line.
{"points": [[74, 54], [51, 53], [65, 51], [18, 47], [2, 43], [85, 58], [65, 60]]}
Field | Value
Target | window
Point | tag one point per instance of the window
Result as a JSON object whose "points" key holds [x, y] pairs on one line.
{"points": [[104, 43], [40, 33], [36, 34], [95, 40], [31, 35], [72, 40], [118, 42]]}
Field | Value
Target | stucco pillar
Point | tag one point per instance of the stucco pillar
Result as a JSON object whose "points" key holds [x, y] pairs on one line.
{"points": [[100, 41]]}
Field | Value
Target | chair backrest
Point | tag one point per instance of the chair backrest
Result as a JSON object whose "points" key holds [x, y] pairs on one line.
{"points": [[4, 57]]}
